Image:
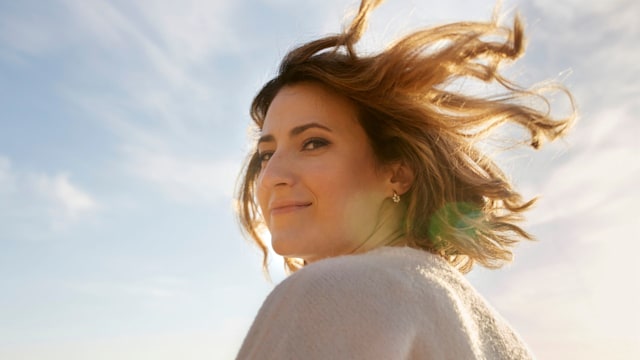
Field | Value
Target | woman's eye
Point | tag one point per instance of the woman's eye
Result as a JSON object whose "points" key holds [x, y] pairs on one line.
{"points": [[265, 156], [314, 143]]}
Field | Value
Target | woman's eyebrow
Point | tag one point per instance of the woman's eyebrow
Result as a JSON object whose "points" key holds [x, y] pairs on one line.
{"points": [[266, 138], [302, 128], [295, 131]]}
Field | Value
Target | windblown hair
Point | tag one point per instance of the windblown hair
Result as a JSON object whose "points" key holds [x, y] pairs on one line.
{"points": [[461, 205]]}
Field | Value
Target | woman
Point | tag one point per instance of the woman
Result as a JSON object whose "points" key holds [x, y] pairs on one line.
{"points": [[368, 177]]}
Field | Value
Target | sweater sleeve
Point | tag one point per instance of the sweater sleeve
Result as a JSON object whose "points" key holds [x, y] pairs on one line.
{"points": [[332, 310]]}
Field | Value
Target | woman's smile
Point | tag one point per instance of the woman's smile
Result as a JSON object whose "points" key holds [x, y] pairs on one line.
{"points": [[286, 207]]}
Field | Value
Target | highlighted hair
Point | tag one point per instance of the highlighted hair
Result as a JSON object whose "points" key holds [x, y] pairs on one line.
{"points": [[461, 205]]}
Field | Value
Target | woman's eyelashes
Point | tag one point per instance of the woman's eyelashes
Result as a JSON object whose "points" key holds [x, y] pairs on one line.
{"points": [[307, 145], [314, 143]]}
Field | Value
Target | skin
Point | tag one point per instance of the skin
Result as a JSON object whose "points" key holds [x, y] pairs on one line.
{"points": [[321, 191]]}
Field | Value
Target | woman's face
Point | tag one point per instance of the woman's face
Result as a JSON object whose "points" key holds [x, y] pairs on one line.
{"points": [[320, 190]]}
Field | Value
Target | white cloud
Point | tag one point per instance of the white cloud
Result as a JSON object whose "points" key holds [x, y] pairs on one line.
{"points": [[600, 172], [35, 203], [184, 179], [596, 39], [145, 72], [68, 200], [193, 30], [119, 34]]}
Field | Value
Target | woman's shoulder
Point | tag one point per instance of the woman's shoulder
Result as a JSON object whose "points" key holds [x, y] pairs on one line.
{"points": [[355, 306], [408, 300], [386, 272]]}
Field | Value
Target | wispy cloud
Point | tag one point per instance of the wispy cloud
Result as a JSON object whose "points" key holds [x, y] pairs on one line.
{"points": [[599, 173], [146, 71], [184, 179], [68, 201], [596, 41], [587, 226], [47, 201], [577, 274]]}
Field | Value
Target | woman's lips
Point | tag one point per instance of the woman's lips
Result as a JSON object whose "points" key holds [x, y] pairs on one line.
{"points": [[285, 208]]}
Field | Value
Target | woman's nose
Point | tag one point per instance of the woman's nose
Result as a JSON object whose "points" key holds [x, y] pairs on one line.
{"points": [[277, 171]]}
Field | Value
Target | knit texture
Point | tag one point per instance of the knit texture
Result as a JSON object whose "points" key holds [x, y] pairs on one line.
{"points": [[389, 303]]}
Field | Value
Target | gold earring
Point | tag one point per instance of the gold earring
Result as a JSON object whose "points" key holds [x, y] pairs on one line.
{"points": [[395, 197]]}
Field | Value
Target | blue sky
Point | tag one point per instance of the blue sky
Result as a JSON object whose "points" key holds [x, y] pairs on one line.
{"points": [[123, 126]]}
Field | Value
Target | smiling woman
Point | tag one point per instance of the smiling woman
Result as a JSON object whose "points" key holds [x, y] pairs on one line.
{"points": [[368, 176], [319, 187]]}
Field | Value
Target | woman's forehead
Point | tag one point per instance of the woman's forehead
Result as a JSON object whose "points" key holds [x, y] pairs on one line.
{"points": [[308, 103]]}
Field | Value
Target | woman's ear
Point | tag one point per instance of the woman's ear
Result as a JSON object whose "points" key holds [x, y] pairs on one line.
{"points": [[402, 177]]}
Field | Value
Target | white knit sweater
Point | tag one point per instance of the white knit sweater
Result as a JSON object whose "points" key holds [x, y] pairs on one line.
{"points": [[389, 303]]}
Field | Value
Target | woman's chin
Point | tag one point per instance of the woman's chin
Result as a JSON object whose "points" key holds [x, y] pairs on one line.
{"points": [[284, 247]]}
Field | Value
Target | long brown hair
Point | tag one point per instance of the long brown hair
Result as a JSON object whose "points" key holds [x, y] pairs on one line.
{"points": [[461, 205]]}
